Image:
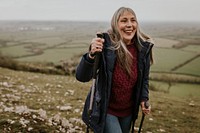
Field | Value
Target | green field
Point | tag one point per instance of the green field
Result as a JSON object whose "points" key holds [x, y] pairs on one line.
{"points": [[167, 59], [55, 41], [55, 55], [191, 68], [178, 89], [192, 48], [16, 50]]}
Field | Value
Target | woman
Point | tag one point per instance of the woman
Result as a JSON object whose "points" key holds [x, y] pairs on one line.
{"points": [[123, 75]]}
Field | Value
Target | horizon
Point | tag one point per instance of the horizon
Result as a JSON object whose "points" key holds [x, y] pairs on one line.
{"points": [[91, 10], [92, 21]]}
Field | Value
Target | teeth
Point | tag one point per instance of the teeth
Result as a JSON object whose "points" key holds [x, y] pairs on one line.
{"points": [[129, 31]]}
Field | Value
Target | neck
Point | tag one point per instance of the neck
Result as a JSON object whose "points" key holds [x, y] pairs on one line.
{"points": [[129, 43]]}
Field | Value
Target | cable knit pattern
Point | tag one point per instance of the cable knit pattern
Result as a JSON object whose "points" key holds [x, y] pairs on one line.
{"points": [[121, 102]]}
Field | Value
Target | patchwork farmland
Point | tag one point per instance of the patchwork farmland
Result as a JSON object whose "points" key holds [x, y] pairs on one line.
{"points": [[35, 102]]}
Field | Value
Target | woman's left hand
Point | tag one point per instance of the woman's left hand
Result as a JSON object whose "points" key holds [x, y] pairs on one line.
{"points": [[145, 110]]}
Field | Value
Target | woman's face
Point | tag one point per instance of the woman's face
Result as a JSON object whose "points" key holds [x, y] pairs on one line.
{"points": [[127, 25]]}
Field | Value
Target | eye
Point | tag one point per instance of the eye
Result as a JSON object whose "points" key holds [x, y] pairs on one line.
{"points": [[133, 20], [123, 20]]}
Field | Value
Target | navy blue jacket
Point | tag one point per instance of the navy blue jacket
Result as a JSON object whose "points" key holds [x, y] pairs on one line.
{"points": [[104, 80]]}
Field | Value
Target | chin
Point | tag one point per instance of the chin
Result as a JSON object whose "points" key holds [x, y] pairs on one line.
{"points": [[128, 38]]}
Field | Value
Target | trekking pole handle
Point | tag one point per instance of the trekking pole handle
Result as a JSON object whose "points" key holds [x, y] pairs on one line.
{"points": [[146, 104], [97, 58]]}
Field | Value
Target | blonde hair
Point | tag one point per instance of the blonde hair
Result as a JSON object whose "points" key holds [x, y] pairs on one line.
{"points": [[124, 57]]}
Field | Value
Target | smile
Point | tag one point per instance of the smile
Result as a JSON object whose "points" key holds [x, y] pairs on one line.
{"points": [[128, 31]]}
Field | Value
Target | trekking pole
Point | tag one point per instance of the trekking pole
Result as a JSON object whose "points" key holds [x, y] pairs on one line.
{"points": [[94, 76], [96, 63], [146, 105]]}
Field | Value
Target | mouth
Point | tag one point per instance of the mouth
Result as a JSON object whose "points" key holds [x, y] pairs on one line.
{"points": [[128, 31]]}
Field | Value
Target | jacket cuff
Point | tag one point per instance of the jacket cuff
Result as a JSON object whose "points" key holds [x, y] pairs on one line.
{"points": [[89, 59], [144, 99]]}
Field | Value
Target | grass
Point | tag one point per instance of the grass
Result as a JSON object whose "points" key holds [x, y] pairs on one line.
{"points": [[62, 98], [172, 114], [15, 51], [192, 48], [54, 55], [191, 68], [185, 90], [167, 59], [38, 91], [177, 89]]}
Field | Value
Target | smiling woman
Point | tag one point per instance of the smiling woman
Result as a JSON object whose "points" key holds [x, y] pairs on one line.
{"points": [[122, 81]]}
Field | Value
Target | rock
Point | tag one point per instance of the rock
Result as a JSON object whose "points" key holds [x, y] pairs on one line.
{"points": [[65, 108]]}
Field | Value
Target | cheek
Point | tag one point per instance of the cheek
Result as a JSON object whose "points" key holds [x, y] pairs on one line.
{"points": [[120, 30], [135, 25], [121, 26]]}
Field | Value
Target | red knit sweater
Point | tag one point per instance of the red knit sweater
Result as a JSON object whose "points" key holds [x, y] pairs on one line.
{"points": [[121, 102]]}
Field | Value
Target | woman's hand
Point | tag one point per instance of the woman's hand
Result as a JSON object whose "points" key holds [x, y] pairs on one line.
{"points": [[96, 46], [145, 109]]}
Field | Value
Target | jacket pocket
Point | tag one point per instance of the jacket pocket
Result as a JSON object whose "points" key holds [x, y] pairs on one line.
{"points": [[93, 117]]}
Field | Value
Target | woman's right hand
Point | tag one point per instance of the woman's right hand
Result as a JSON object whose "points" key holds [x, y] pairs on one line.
{"points": [[96, 46]]}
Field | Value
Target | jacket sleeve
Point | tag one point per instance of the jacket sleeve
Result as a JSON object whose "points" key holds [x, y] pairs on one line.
{"points": [[84, 69], [145, 91]]}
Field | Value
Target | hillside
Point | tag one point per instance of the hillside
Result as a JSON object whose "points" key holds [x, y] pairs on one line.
{"points": [[32, 102]]}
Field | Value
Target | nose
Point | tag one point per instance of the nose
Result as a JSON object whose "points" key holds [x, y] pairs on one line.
{"points": [[129, 23]]}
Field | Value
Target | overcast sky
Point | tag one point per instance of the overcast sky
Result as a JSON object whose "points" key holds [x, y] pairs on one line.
{"points": [[99, 10]]}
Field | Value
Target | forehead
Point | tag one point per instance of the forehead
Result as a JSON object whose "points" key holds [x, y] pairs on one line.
{"points": [[126, 14]]}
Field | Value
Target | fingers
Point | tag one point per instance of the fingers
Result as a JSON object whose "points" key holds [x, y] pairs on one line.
{"points": [[97, 45], [145, 110]]}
